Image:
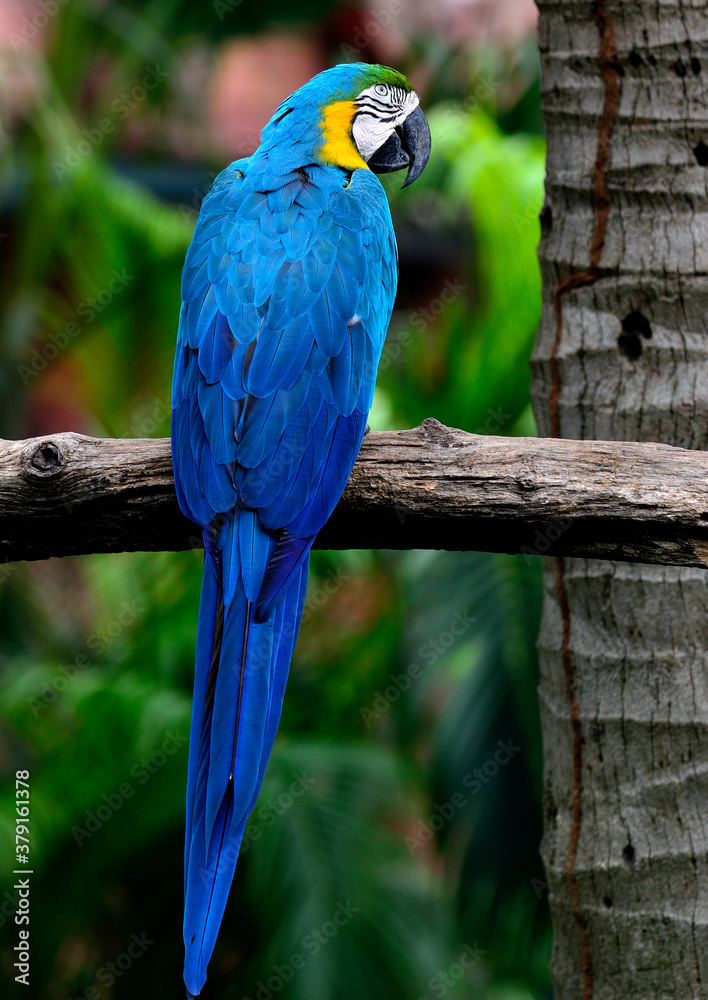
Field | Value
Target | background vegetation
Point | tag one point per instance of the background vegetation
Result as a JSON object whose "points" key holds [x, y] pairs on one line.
{"points": [[404, 789]]}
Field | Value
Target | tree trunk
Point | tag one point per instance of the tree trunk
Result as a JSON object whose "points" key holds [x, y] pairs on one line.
{"points": [[622, 354]]}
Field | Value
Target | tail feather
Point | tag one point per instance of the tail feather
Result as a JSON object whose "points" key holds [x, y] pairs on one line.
{"points": [[289, 555], [210, 609], [240, 705], [287, 623], [241, 670]]}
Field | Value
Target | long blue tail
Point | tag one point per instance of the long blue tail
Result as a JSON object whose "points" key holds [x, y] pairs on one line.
{"points": [[242, 666]]}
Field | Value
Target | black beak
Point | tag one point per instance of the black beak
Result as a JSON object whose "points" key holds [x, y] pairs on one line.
{"points": [[409, 146]]}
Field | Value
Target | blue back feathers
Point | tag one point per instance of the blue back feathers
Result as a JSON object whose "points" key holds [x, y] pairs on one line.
{"points": [[287, 293]]}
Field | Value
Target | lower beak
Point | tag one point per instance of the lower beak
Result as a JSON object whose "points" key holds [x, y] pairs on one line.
{"points": [[408, 146]]}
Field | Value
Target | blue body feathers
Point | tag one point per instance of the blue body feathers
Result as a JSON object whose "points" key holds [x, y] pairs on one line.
{"points": [[287, 293]]}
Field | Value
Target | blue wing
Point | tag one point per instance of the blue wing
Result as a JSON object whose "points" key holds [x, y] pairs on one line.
{"points": [[286, 297]]}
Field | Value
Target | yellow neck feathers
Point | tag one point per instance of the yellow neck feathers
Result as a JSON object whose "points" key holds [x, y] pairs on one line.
{"points": [[338, 148]]}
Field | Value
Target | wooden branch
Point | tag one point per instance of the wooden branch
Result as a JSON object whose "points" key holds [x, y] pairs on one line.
{"points": [[431, 487]]}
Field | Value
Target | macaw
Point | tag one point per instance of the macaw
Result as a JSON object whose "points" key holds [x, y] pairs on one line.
{"points": [[287, 293]]}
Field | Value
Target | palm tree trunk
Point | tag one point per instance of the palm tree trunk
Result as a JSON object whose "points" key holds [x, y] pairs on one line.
{"points": [[622, 354]]}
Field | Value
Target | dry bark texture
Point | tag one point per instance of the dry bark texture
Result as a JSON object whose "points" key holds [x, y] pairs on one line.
{"points": [[622, 354], [432, 487]]}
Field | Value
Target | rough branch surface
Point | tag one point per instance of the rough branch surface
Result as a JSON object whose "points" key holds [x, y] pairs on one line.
{"points": [[430, 487]]}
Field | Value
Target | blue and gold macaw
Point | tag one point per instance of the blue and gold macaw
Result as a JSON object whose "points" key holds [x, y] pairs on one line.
{"points": [[287, 293]]}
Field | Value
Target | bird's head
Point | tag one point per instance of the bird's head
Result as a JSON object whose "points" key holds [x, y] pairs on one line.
{"points": [[363, 116]]}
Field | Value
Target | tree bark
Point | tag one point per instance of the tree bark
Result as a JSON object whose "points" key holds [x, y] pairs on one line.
{"points": [[430, 487], [622, 354]]}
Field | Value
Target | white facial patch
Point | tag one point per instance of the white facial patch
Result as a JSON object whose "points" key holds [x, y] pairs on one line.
{"points": [[381, 110]]}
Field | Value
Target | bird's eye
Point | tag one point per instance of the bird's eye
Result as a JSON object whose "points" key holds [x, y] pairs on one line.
{"points": [[381, 89]]}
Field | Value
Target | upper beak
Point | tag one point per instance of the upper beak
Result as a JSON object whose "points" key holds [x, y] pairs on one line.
{"points": [[408, 146]]}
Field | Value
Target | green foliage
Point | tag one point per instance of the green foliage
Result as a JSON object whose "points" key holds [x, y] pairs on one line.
{"points": [[118, 252], [463, 354]]}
